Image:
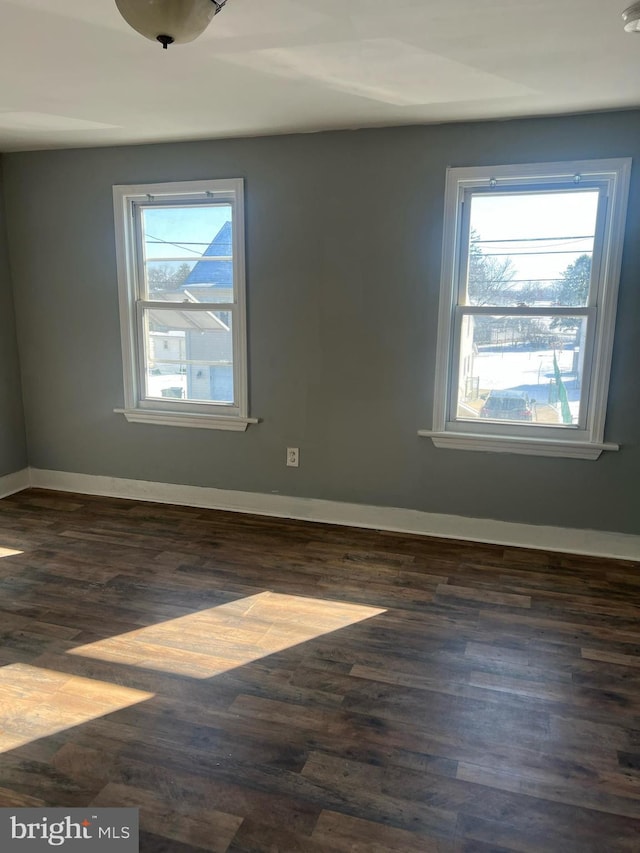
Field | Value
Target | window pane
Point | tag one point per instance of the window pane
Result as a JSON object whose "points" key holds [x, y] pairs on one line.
{"points": [[189, 355], [188, 253], [521, 369], [531, 248]]}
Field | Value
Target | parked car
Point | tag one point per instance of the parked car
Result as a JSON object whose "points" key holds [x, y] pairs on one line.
{"points": [[508, 406]]}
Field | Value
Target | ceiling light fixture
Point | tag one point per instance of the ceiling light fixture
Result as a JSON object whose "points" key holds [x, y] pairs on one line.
{"points": [[631, 18], [169, 21]]}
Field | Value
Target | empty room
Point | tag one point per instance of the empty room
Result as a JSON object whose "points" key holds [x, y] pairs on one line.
{"points": [[319, 426]]}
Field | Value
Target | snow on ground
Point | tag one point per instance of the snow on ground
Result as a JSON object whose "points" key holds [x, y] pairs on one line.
{"points": [[528, 370]]}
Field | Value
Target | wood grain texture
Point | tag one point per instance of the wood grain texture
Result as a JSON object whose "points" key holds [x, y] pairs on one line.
{"points": [[263, 686]]}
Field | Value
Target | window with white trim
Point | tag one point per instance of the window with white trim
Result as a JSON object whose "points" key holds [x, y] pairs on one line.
{"points": [[530, 270], [180, 252]]}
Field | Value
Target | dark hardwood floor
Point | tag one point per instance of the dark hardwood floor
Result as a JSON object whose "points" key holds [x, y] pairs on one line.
{"points": [[261, 685]]}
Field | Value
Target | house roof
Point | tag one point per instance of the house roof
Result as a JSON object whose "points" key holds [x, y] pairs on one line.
{"points": [[214, 273], [184, 321]]}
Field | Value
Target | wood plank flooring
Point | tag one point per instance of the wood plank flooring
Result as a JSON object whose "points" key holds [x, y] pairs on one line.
{"points": [[255, 685]]}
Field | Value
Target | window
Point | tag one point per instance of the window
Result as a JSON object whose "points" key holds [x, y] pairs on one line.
{"points": [[180, 250], [531, 261]]}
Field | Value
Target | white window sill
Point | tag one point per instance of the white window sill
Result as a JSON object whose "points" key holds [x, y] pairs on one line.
{"points": [[512, 444], [186, 419]]}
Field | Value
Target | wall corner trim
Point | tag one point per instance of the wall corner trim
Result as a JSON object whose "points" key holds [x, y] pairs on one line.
{"points": [[568, 540]]}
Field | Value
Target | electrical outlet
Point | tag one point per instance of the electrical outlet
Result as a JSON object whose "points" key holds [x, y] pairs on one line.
{"points": [[293, 457]]}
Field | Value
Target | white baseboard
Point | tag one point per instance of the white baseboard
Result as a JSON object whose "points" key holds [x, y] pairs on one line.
{"points": [[16, 482], [567, 540]]}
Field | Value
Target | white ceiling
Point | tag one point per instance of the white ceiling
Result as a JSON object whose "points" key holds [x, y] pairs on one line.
{"points": [[74, 74]]}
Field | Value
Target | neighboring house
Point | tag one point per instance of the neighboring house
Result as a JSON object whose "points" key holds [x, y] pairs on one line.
{"points": [[199, 345], [467, 382], [167, 350], [211, 281]]}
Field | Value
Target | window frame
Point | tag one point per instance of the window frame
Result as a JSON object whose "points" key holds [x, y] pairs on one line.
{"points": [[129, 201], [586, 440]]}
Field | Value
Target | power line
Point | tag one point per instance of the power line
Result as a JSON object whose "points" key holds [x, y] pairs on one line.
{"points": [[565, 238], [182, 242], [517, 254], [184, 246], [514, 280]]}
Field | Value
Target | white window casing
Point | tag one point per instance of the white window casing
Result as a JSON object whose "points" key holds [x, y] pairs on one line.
{"points": [[583, 438], [140, 310]]}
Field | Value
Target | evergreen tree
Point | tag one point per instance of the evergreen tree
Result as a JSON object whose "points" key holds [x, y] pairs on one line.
{"points": [[573, 290]]}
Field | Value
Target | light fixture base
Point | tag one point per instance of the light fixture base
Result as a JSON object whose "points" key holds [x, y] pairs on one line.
{"points": [[631, 18], [169, 21]]}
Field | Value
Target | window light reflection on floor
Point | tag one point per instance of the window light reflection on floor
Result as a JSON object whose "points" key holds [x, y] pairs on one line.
{"points": [[209, 642], [37, 702], [9, 552]]}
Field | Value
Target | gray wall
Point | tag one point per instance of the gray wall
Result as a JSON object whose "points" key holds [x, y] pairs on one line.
{"points": [[13, 451], [343, 242]]}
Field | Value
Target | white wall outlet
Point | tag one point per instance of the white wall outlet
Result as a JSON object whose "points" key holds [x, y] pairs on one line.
{"points": [[293, 457]]}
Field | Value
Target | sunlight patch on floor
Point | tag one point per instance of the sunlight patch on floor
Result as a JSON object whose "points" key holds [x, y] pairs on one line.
{"points": [[36, 702], [209, 642], [9, 552]]}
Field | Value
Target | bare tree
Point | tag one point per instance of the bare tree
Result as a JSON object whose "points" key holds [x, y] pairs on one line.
{"points": [[163, 277], [490, 280]]}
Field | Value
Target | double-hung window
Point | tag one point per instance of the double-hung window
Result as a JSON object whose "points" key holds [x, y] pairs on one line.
{"points": [[531, 262], [180, 252]]}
